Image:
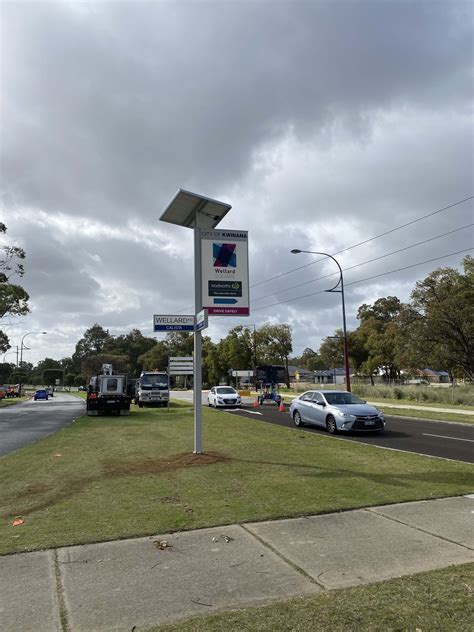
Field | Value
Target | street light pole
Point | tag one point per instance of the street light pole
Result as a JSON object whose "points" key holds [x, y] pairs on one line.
{"points": [[21, 355], [340, 283]]}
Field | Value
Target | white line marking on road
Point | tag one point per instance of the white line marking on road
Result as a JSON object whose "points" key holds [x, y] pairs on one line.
{"points": [[251, 412], [426, 434]]}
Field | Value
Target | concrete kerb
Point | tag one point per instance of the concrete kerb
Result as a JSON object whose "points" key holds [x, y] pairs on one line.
{"points": [[164, 578]]}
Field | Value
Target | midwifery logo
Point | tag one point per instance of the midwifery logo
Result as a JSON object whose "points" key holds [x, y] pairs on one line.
{"points": [[224, 255]]}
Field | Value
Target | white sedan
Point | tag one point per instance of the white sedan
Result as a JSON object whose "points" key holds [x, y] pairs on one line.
{"points": [[220, 396]]}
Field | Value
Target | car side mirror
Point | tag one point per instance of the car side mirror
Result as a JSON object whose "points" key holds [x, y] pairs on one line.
{"points": [[321, 404]]}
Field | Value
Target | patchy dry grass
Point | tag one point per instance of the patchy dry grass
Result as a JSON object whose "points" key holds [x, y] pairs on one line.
{"points": [[116, 477]]}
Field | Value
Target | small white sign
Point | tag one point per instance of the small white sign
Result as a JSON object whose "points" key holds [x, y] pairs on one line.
{"points": [[181, 365]]}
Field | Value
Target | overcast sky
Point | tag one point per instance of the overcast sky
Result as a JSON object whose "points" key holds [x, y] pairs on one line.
{"points": [[324, 124]]}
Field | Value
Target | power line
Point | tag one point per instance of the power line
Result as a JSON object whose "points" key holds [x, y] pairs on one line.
{"points": [[387, 232], [357, 265], [306, 265], [376, 276]]}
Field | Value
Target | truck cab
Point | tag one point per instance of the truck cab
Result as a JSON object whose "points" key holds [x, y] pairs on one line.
{"points": [[153, 388]]}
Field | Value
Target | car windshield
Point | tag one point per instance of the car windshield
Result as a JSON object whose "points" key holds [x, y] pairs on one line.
{"points": [[225, 390], [40, 392], [154, 381], [340, 398]]}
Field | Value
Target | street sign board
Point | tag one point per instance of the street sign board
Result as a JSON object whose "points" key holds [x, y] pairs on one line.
{"points": [[181, 365], [202, 321], [173, 322], [242, 373], [225, 272]]}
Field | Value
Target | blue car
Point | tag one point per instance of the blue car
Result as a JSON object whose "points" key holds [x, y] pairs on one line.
{"points": [[40, 394]]}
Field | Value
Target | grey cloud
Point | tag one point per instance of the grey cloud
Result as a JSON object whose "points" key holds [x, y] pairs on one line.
{"points": [[323, 123], [114, 108]]}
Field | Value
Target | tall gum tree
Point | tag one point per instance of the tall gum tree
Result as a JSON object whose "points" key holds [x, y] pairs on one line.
{"points": [[13, 298], [443, 319]]}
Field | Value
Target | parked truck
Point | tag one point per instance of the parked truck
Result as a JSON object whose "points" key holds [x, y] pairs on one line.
{"points": [[152, 388], [107, 393]]}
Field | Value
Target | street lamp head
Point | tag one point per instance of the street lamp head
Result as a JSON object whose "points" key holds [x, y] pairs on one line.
{"points": [[296, 251]]}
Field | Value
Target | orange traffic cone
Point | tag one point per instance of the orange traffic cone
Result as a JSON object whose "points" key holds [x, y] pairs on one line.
{"points": [[282, 407], [255, 402]]}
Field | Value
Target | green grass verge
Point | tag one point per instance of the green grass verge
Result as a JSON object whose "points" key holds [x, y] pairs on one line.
{"points": [[12, 400], [426, 414], [436, 600], [410, 402], [115, 477]]}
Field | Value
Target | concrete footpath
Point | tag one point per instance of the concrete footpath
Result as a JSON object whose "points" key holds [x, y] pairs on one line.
{"points": [[154, 580]]}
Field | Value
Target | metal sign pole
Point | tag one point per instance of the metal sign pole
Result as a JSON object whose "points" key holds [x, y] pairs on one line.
{"points": [[197, 343]]}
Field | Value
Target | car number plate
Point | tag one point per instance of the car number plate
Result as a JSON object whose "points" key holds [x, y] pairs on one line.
{"points": [[111, 401], [369, 423]]}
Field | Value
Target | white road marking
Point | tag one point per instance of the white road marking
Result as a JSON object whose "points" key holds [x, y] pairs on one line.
{"points": [[251, 412], [426, 434]]}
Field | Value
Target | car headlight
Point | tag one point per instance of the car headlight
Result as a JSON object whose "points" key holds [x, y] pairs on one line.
{"points": [[347, 415]]}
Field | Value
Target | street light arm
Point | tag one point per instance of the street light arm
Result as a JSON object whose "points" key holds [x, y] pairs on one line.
{"points": [[21, 353], [296, 251]]}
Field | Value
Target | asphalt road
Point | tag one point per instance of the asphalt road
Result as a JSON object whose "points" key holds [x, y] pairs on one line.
{"points": [[25, 423], [435, 438], [29, 421]]}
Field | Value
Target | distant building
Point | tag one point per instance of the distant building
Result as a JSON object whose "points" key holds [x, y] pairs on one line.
{"points": [[436, 377]]}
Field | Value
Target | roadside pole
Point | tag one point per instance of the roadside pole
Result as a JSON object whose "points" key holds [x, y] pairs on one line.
{"points": [[197, 212], [197, 343]]}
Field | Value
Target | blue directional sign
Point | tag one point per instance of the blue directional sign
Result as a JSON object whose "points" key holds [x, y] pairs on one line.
{"points": [[173, 322], [225, 301], [202, 320]]}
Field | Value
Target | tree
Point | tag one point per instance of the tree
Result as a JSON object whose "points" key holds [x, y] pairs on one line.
{"points": [[332, 351], [47, 371], [443, 319], [214, 366], [6, 370], [92, 364], [238, 348], [276, 345], [91, 344], [180, 343], [155, 358], [379, 330], [134, 345], [13, 298], [309, 360]]}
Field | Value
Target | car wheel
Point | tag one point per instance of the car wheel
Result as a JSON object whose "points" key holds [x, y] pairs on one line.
{"points": [[297, 419], [209, 403], [331, 425]]}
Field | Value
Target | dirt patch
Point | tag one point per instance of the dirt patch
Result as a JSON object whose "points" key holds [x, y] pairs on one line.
{"points": [[29, 492], [176, 462]]}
